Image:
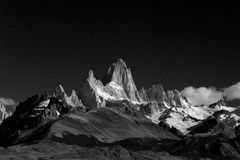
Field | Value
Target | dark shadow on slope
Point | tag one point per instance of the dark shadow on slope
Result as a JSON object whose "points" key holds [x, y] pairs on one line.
{"points": [[133, 144], [217, 147]]}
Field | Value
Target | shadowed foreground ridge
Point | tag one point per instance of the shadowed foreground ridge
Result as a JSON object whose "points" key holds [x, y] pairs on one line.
{"points": [[111, 119]]}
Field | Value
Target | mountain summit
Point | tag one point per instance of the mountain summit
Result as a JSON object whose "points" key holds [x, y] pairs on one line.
{"points": [[120, 74]]}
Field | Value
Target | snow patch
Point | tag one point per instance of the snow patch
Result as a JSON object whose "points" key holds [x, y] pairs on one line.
{"points": [[166, 105], [104, 95], [115, 85], [230, 109], [44, 103], [177, 120]]}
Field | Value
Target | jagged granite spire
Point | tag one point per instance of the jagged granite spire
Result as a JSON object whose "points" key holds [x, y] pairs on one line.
{"points": [[72, 100], [88, 93], [59, 91], [155, 93], [121, 75]]}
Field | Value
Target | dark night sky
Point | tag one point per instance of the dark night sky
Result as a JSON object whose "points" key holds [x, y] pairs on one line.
{"points": [[175, 44]]}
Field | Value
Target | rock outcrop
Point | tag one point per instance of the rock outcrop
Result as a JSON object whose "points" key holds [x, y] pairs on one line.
{"points": [[221, 105], [3, 112], [155, 93], [72, 100], [88, 92], [6, 110]]}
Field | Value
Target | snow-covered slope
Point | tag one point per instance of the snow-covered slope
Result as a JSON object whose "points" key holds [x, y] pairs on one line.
{"points": [[174, 109], [185, 116]]}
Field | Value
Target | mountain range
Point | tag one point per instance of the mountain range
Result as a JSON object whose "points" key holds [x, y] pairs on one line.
{"points": [[111, 119]]}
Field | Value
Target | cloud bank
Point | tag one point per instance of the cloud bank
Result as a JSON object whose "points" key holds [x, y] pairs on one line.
{"points": [[209, 95], [7, 101], [232, 92], [202, 95]]}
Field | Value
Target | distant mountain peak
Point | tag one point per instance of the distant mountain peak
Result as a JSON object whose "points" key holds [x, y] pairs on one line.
{"points": [[120, 74], [115, 71], [218, 104], [90, 75], [121, 62], [74, 92], [59, 90]]}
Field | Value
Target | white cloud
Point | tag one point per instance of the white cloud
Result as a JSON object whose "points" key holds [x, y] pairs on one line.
{"points": [[202, 95], [7, 101], [232, 92], [209, 95]]}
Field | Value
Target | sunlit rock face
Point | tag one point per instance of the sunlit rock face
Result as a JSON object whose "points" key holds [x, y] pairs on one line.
{"points": [[6, 110], [88, 92], [3, 112], [117, 84], [72, 100], [121, 75]]}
